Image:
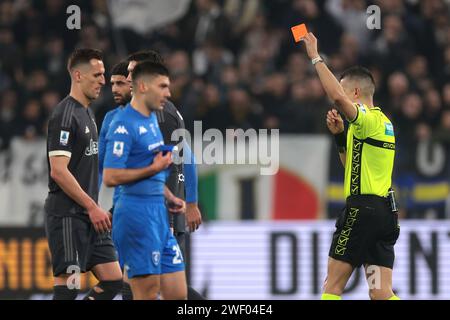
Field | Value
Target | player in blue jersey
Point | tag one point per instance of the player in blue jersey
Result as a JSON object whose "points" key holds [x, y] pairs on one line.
{"points": [[147, 249], [182, 180], [121, 90]]}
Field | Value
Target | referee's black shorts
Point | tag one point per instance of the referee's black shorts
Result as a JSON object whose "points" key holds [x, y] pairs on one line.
{"points": [[73, 242], [366, 232]]}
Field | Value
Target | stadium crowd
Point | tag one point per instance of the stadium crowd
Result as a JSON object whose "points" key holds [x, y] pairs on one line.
{"points": [[234, 63]]}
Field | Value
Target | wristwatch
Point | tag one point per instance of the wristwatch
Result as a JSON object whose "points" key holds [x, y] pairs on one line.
{"points": [[317, 59]]}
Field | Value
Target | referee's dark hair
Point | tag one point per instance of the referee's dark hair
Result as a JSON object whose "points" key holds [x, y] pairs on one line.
{"points": [[120, 69], [359, 74], [142, 55], [148, 68], [81, 56]]}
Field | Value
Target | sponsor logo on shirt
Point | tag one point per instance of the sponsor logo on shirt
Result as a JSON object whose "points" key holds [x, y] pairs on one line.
{"points": [[64, 138], [87, 130], [92, 149], [121, 130], [118, 148], [155, 145], [388, 129], [142, 130]]}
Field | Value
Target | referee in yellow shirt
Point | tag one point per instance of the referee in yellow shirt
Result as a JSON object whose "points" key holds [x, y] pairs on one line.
{"points": [[368, 228]]}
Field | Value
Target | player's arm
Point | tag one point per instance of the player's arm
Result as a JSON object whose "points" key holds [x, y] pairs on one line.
{"points": [[193, 215], [60, 146], [332, 87], [175, 204], [102, 147], [114, 177]]}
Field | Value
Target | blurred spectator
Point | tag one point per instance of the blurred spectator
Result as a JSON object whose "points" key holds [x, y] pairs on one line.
{"points": [[241, 111], [393, 44], [30, 123], [8, 112], [433, 108], [241, 14], [274, 98], [206, 21], [398, 87], [351, 14]]}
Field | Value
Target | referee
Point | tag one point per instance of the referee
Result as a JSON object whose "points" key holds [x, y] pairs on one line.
{"points": [[77, 228], [182, 180], [368, 228]]}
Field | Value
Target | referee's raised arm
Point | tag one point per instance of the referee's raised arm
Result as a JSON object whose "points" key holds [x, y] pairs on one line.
{"points": [[330, 84]]}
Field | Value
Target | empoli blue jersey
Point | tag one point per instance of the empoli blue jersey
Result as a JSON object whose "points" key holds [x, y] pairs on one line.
{"points": [[131, 141]]}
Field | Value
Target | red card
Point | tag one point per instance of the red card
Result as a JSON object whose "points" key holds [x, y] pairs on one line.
{"points": [[299, 31]]}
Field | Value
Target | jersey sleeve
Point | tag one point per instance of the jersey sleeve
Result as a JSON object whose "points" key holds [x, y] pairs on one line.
{"points": [[62, 129], [365, 123], [102, 145], [190, 172], [119, 141]]}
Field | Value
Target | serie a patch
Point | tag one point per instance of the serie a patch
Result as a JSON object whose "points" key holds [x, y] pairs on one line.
{"points": [[64, 138], [118, 148], [388, 129]]}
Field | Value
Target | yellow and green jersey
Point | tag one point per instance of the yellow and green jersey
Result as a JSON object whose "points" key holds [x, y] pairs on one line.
{"points": [[370, 153]]}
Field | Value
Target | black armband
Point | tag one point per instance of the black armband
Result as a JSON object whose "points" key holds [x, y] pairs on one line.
{"points": [[341, 141]]}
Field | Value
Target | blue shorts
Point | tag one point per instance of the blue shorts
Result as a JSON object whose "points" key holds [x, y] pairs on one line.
{"points": [[142, 236]]}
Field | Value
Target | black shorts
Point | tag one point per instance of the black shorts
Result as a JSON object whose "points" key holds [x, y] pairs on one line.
{"points": [[73, 242], [366, 232]]}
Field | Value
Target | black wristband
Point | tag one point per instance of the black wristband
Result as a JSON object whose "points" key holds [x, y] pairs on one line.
{"points": [[341, 141]]}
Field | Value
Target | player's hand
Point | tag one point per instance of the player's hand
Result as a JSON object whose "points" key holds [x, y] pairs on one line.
{"points": [[334, 122], [162, 162], [311, 45], [193, 216], [99, 219], [176, 205]]}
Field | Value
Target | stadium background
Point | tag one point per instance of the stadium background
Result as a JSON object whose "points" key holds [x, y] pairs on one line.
{"points": [[234, 65]]}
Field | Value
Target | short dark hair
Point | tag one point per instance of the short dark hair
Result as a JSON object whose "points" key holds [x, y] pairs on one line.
{"points": [[363, 76], [142, 55], [80, 56], [120, 69], [149, 68], [358, 72]]}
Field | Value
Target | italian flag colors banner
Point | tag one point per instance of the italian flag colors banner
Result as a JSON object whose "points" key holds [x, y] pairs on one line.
{"points": [[296, 191]]}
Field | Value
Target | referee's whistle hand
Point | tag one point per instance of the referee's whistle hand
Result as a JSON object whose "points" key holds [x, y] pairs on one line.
{"points": [[334, 122], [100, 219]]}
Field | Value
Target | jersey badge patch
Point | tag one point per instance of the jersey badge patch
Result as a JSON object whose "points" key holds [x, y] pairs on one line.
{"points": [[388, 129], [118, 148], [64, 138], [156, 257]]}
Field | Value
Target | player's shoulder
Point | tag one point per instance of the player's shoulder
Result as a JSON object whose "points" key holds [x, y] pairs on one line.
{"points": [[171, 109], [112, 113], [64, 111], [122, 123]]}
